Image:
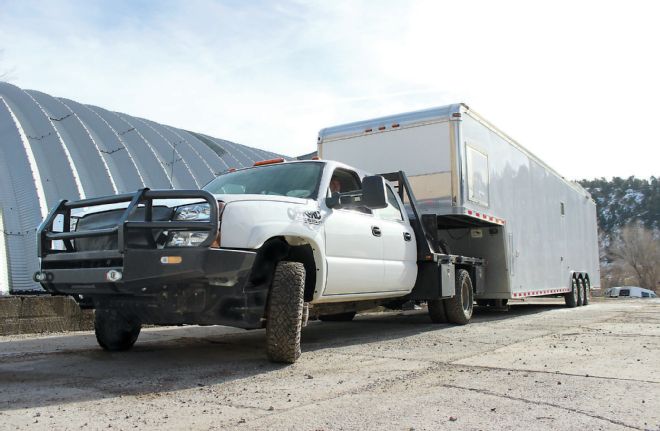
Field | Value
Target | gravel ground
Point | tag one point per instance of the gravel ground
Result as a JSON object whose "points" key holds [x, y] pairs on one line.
{"points": [[538, 366]]}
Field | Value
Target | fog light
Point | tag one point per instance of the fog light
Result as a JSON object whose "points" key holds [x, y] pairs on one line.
{"points": [[39, 276], [113, 275]]}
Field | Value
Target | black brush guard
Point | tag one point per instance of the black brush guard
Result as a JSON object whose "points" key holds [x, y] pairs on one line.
{"points": [[162, 285]]}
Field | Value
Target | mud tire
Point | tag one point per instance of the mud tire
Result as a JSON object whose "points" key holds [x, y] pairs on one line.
{"points": [[284, 313], [115, 331]]}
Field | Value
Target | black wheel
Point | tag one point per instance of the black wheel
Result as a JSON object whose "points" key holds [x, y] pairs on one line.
{"points": [[459, 308], [571, 298], [115, 330], [340, 317], [284, 312], [437, 311], [587, 291]]}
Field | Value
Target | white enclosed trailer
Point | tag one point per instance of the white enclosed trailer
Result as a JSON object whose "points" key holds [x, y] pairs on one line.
{"points": [[493, 198]]}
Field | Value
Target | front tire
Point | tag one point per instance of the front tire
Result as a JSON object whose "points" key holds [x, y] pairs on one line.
{"points": [[284, 312], [115, 331], [459, 308]]}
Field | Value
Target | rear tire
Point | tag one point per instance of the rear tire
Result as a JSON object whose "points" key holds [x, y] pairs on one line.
{"points": [[571, 298], [339, 317], [284, 313], [459, 308], [115, 331]]}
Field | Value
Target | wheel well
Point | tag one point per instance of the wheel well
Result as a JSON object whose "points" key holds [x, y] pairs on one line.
{"points": [[278, 249]]}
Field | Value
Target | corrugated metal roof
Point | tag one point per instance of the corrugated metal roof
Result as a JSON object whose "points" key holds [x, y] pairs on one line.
{"points": [[54, 148]]}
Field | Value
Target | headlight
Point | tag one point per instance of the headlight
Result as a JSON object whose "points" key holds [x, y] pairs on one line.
{"points": [[186, 238], [193, 212]]}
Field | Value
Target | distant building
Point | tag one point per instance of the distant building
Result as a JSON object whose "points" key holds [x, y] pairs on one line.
{"points": [[53, 148]]}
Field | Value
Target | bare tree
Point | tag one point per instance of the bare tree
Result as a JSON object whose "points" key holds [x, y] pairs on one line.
{"points": [[636, 250]]}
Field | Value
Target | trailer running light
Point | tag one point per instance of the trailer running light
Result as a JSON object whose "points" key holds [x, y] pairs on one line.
{"points": [[395, 125], [368, 130], [381, 128], [113, 275], [483, 216], [269, 161]]}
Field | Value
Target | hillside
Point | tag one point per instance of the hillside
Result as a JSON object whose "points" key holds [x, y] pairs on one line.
{"points": [[621, 201]]}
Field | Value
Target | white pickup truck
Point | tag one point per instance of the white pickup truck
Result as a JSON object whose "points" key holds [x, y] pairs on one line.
{"points": [[268, 246]]}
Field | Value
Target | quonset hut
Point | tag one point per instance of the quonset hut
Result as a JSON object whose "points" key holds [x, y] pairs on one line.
{"points": [[53, 148]]}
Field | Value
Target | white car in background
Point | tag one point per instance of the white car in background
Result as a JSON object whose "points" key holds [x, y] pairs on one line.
{"points": [[630, 292]]}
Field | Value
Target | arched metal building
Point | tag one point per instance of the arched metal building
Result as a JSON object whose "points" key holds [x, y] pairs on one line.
{"points": [[53, 148]]}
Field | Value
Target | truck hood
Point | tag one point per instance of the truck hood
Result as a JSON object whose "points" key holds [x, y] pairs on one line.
{"points": [[227, 198], [272, 198]]}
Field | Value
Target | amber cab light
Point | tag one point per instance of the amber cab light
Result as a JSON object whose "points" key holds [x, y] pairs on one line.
{"points": [[269, 162]]}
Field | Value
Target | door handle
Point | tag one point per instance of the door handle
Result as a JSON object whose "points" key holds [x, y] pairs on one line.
{"points": [[375, 231], [407, 236]]}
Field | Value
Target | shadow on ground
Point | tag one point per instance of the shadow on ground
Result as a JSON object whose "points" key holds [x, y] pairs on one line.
{"points": [[61, 370]]}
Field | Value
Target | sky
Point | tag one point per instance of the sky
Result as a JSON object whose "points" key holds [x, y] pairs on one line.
{"points": [[575, 82]]}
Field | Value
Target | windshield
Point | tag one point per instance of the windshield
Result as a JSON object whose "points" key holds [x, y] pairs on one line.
{"points": [[299, 180]]}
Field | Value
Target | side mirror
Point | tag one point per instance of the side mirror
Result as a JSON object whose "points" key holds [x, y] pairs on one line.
{"points": [[373, 195], [374, 192], [333, 201]]}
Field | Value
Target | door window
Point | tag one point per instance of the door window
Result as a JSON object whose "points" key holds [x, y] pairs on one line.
{"points": [[392, 211]]}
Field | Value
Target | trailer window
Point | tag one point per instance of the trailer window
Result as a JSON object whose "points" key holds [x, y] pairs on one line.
{"points": [[477, 176]]}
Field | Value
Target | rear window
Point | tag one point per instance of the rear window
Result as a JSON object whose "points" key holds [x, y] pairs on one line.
{"points": [[624, 292]]}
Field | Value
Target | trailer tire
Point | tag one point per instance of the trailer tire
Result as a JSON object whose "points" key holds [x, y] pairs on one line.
{"points": [[587, 291], [284, 312], [571, 298], [339, 317], [579, 292], [459, 308], [115, 331], [437, 310]]}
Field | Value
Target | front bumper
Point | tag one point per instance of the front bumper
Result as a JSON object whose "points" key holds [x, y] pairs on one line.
{"points": [[196, 285], [75, 272]]}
